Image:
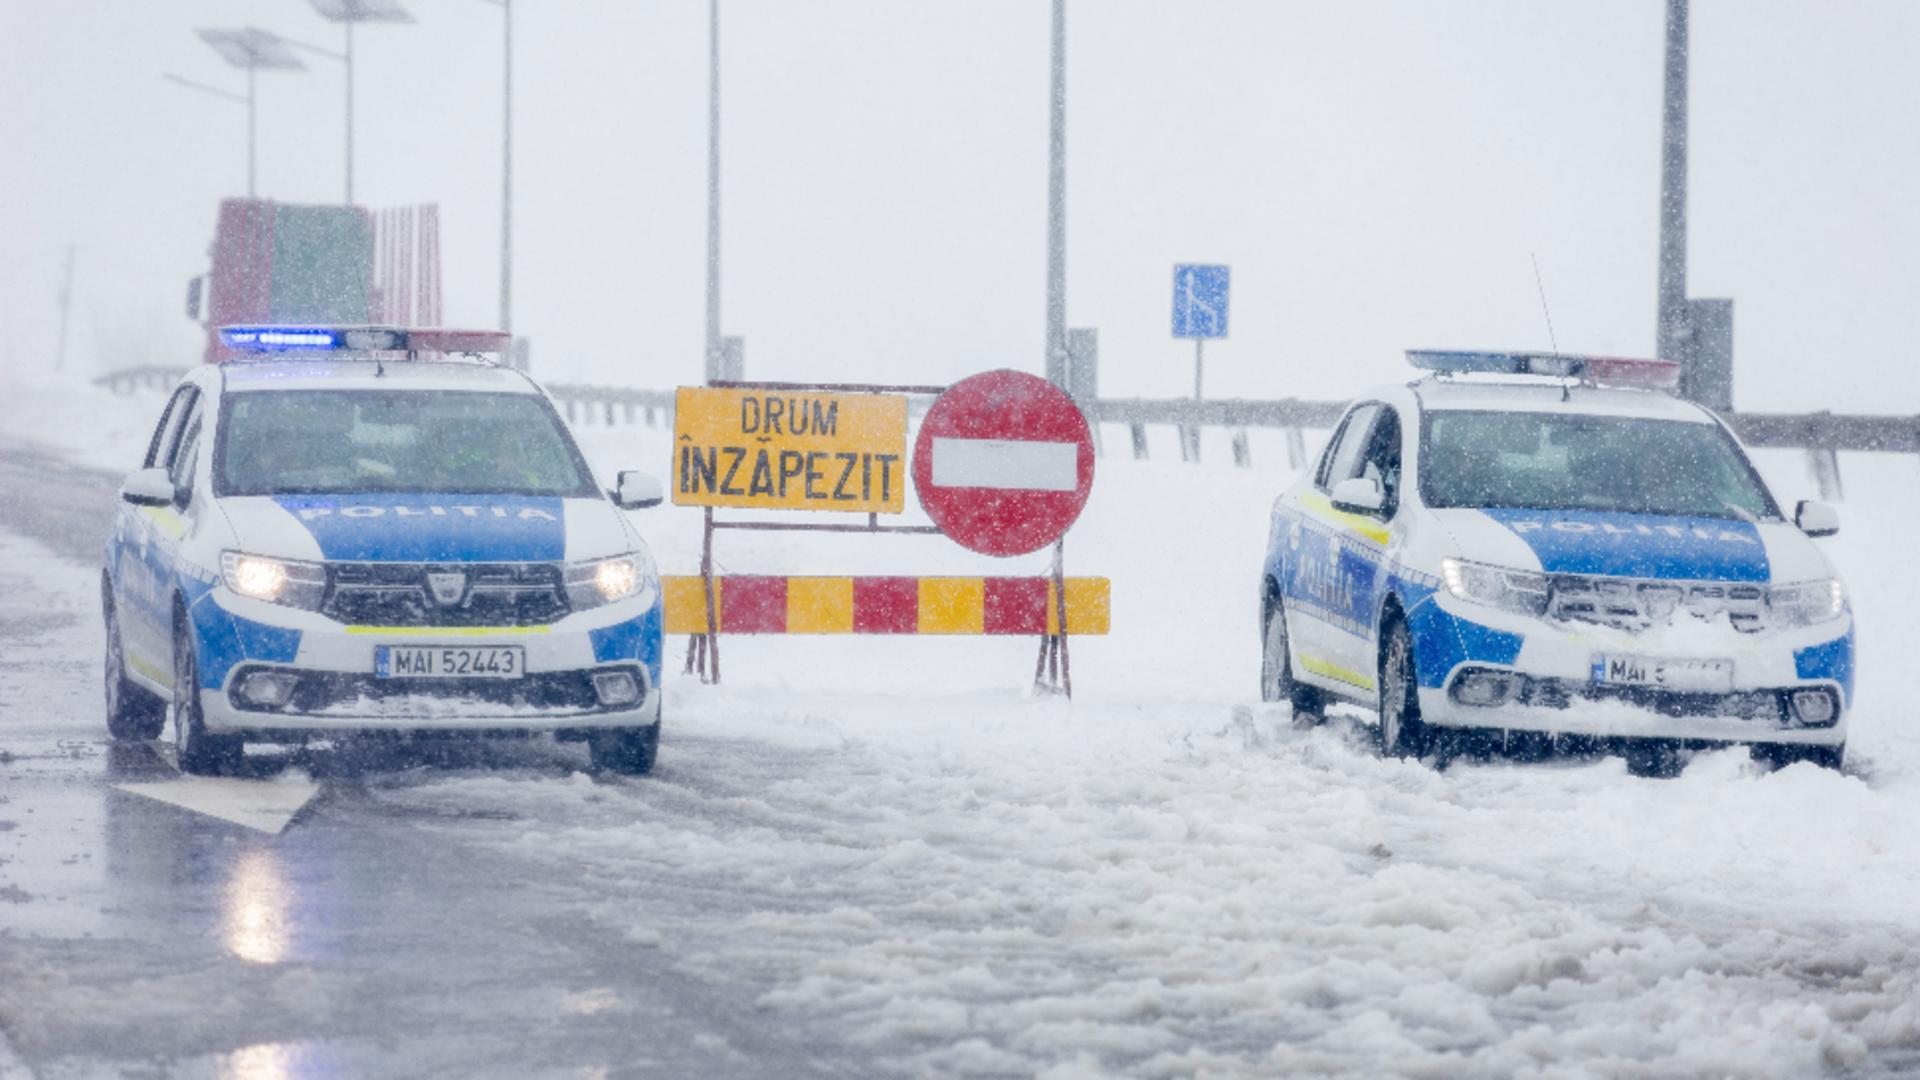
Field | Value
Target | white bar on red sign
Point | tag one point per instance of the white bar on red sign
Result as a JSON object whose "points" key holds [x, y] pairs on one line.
{"points": [[1006, 464]]}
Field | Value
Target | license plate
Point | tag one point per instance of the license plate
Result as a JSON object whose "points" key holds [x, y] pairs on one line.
{"points": [[449, 662], [1664, 673]]}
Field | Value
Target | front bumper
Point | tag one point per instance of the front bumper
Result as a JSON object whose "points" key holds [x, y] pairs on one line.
{"points": [[335, 688], [1553, 689]]}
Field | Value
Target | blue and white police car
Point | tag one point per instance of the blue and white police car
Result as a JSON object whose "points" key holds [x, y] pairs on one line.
{"points": [[363, 529], [1552, 545]]}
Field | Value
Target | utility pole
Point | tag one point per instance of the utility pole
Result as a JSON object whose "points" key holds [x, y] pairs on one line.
{"points": [[66, 310], [1056, 354], [713, 190], [1672, 328], [506, 172], [348, 55]]}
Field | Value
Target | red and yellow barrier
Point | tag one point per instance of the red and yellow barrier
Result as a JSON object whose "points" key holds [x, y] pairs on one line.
{"points": [[749, 604]]}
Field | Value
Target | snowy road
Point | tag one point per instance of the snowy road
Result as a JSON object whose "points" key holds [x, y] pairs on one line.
{"points": [[885, 860]]}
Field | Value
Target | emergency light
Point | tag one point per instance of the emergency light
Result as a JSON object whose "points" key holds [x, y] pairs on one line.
{"points": [[360, 339], [1596, 370]]}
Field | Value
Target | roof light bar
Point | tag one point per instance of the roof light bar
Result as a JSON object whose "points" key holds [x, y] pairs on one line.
{"points": [[1598, 370], [361, 339]]}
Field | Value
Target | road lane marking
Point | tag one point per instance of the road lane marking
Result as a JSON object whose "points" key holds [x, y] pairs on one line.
{"points": [[262, 805]]}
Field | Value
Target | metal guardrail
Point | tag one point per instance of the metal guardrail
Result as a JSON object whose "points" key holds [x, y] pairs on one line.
{"points": [[144, 377], [1822, 434]]}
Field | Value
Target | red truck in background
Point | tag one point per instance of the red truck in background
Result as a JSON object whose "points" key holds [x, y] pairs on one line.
{"points": [[284, 264]]}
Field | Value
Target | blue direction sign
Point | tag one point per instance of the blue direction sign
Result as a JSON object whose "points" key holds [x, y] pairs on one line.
{"points": [[1200, 300]]}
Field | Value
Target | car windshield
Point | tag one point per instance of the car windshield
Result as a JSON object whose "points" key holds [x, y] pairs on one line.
{"points": [[1555, 461], [284, 442]]}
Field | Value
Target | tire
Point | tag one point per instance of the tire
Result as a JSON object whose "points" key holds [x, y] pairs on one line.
{"points": [[1827, 757], [1659, 759], [1276, 669], [628, 751], [133, 714], [197, 751], [1400, 732]]}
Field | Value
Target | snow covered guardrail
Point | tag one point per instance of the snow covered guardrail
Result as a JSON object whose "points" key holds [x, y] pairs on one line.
{"points": [[144, 377]]}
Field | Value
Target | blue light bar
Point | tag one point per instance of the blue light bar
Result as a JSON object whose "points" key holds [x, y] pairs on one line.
{"points": [[1458, 361], [313, 339], [1598, 370]]}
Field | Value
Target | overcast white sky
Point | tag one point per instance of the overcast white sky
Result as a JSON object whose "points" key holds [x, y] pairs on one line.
{"points": [[1379, 175]]}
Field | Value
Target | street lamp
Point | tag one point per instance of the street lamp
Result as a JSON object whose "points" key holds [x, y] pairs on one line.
{"points": [[506, 164], [254, 50], [348, 12]]}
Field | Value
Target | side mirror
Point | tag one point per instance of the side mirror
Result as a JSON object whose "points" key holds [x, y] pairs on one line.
{"points": [[637, 491], [148, 487], [1816, 518], [1359, 495]]}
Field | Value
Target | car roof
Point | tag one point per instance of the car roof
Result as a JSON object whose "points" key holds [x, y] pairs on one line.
{"points": [[1530, 394], [241, 376]]}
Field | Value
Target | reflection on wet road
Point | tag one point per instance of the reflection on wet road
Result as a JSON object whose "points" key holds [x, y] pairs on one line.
{"points": [[366, 939]]}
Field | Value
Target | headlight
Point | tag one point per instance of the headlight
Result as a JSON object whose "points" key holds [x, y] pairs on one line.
{"points": [[1520, 591], [1807, 603], [280, 581], [602, 581]]}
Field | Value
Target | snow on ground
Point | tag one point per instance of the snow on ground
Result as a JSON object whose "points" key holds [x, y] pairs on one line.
{"points": [[893, 841]]}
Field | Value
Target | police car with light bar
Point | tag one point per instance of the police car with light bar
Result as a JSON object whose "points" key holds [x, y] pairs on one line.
{"points": [[369, 529], [1552, 546]]}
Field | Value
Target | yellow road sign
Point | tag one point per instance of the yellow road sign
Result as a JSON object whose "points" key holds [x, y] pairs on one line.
{"points": [[789, 450]]}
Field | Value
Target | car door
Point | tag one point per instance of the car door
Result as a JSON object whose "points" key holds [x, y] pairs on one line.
{"points": [[151, 539], [1323, 572], [1371, 545]]}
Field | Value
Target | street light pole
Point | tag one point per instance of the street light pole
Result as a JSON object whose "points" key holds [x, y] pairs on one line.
{"points": [[506, 169], [1056, 354], [347, 57], [713, 190], [1672, 320], [252, 131]]}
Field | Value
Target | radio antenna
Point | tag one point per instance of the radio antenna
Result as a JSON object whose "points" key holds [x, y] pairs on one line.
{"points": [[1544, 310]]}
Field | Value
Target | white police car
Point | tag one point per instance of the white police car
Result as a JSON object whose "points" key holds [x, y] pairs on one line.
{"points": [[337, 536], [1539, 543]]}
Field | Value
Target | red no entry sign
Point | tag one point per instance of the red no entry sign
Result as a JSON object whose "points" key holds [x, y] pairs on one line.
{"points": [[1003, 463]]}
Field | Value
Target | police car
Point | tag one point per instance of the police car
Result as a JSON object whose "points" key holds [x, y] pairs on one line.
{"points": [[353, 530], [1550, 544]]}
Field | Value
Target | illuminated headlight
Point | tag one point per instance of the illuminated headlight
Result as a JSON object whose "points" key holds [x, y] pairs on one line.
{"points": [[1807, 603], [280, 581], [602, 581], [1519, 591]]}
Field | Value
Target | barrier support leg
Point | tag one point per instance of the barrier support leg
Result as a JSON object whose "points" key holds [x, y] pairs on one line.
{"points": [[710, 653]]}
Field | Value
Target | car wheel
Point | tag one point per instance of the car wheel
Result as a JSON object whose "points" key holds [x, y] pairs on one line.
{"points": [[630, 751], [133, 714], [197, 751], [1401, 732], [1276, 670], [1827, 757]]}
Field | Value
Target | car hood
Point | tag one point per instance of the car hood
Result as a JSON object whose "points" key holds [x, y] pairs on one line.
{"points": [[428, 528], [1635, 545]]}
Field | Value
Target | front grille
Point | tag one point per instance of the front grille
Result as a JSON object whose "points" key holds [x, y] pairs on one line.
{"points": [[400, 594], [1635, 604], [344, 694], [1767, 707]]}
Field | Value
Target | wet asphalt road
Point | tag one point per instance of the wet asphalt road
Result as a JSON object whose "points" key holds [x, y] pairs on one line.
{"points": [[367, 939]]}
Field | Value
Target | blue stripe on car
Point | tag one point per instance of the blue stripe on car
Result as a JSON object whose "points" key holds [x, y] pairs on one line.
{"points": [[638, 638], [1639, 545], [1442, 641], [225, 640], [1834, 660], [433, 528]]}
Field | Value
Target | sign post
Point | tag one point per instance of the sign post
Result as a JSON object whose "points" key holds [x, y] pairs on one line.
{"points": [[1200, 294], [786, 446], [1003, 464]]}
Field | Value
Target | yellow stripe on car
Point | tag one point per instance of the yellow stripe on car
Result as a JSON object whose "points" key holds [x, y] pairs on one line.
{"points": [[1322, 507], [1335, 671]]}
